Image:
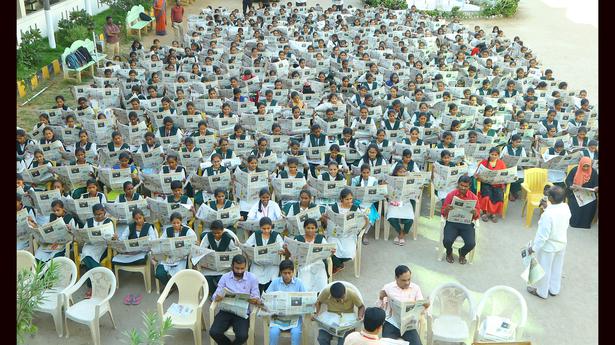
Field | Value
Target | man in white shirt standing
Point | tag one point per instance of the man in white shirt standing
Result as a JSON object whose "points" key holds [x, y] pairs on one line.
{"points": [[550, 243]]}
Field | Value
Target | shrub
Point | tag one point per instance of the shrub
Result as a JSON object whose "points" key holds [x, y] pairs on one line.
{"points": [[68, 36], [390, 4], [506, 8], [154, 333], [74, 28], [31, 43]]}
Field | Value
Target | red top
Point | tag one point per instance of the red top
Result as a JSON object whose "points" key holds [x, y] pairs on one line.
{"points": [[499, 165], [177, 13], [456, 193]]}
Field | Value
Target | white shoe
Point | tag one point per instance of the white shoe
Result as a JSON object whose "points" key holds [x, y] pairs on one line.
{"points": [[396, 240]]}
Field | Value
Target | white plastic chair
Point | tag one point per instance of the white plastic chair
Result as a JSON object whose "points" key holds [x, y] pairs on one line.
{"points": [[286, 334], [53, 302], [505, 302], [25, 260], [89, 311], [193, 291], [441, 251], [415, 222], [145, 270], [452, 314], [229, 332], [349, 286]]}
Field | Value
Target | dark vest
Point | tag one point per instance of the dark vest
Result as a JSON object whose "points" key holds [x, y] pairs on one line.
{"points": [[132, 230]]}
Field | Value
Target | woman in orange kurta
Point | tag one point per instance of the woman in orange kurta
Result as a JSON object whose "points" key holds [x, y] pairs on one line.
{"points": [[491, 197], [160, 13]]}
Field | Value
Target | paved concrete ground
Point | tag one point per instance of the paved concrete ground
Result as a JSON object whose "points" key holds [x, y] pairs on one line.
{"points": [[570, 318]]}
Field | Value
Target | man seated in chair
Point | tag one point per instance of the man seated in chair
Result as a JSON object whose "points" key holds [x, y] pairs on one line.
{"points": [[237, 281], [452, 230], [288, 283], [338, 300], [372, 325], [404, 290]]}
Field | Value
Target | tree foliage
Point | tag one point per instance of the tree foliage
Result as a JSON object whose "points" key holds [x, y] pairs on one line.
{"points": [[31, 43], [506, 8]]}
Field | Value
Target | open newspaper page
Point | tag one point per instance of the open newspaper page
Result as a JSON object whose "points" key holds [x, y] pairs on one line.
{"points": [[462, 211], [73, 176], [42, 200], [162, 210], [287, 307], [562, 162], [170, 250], [267, 254], [379, 171], [405, 188], [135, 245], [235, 303], [114, 178], [23, 233], [294, 223], [161, 183], [209, 259], [149, 160], [288, 188], [249, 184], [253, 225], [520, 162], [55, 232], [533, 272], [338, 324], [52, 151], [211, 183], [406, 315], [100, 234], [305, 254], [38, 175], [501, 176], [445, 178], [122, 211], [370, 194], [325, 189], [344, 225], [80, 208], [228, 216], [583, 195]]}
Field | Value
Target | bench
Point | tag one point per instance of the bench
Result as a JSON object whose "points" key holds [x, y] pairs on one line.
{"points": [[96, 57], [134, 22]]}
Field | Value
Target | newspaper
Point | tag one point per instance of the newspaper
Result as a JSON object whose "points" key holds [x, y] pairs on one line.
{"points": [[149, 160], [404, 188], [100, 234], [108, 158], [344, 225], [277, 143], [370, 194], [133, 135], [267, 254], [23, 233], [497, 328], [205, 143], [242, 147], [350, 154], [249, 184], [224, 126], [419, 153], [228, 216], [69, 136], [462, 211], [445, 178], [457, 154], [73, 176], [326, 189], [39, 175], [583, 195], [210, 183], [294, 223], [161, 183], [170, 250], [180, 310], [80, 208], [190, 160], [406, 315], [330, 128], [122, 211], [257, 122], [562, 162], [253, 225], [315, 153], [533, 272], [170, 142], [520, 162], [210, 259], [54, 232], [294, 126], [283, 303], [162, 210], [288, 188], [114, 178], [235, 303], [305, 254], [42, 200], [501, 176], [51, 151], [338, 324], [477, 151], [136, 245]]}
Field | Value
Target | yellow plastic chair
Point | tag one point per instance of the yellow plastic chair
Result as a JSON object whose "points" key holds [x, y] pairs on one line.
{"points": [[106, 262], [193, 291], [506, 194], [534, 182]]}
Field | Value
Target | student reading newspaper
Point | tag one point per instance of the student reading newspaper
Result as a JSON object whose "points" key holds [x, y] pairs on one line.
{"points": [[339, 320]]}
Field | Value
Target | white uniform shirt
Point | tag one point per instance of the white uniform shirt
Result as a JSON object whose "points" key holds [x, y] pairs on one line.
{"points": [[551, 235]]}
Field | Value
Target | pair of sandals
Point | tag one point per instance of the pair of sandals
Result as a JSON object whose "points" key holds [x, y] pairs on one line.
{"points": [[133, 299], [462, 259], [399, 241], [486, 217]]}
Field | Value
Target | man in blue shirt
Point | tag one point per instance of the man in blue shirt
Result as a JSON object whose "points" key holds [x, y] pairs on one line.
{"points": [[287, 283]]}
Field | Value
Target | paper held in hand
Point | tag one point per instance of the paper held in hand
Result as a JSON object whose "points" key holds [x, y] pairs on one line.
{"points": [[445, 178], [235, 303], [370, 194], [74, 176], [170, 250], [283, 303], [210, 183], [23, 227], [42, 200], [80, 208], [100, 234], [161, 183], [228, 216], [253, 225], [502, 176], [305, 254], [114, 178], [212, 260], [122, 211], [462, 211], [53, 232], [533, 272], [294, 223], [583, 195], [343, 225], [326, 189], [135, 245], [406, 315], [288, 188], [338, 324], [149, 160], [405, 188], [520, 162], [162, 210], [267, 254]]}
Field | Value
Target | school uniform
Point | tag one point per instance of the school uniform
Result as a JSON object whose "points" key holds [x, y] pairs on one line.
{"points": [[45, 254], [26, 158], [259, 154], [313, 141], [369, 125], [225, 244], [112, 148], [441, 146], [130, 233], [87, 147], [544, 124], [575, 142], [264, 273], [245, 206], [164, 271], [144, 148], [346, 246], [201, 195], [163, 132], [391, 126], [101, 197], [122, 197], [92, 254], [314, 275], [285, 174], [258, 211], [418, 142], [592, 155]]}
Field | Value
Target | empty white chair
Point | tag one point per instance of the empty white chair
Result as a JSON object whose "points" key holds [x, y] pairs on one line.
{"points": [[500, 304], [53, 302], [452, 314], [193, 291], [25, 260], [441, 251], [89, 311]]}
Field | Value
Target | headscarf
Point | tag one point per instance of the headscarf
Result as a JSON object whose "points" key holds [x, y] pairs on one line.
{"points": [[581, 177]]}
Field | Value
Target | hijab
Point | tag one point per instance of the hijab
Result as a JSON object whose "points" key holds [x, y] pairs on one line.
{"points": [[581, 177]]}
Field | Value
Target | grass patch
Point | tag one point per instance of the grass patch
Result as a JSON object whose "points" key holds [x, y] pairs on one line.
{"points": [[27, 116]]}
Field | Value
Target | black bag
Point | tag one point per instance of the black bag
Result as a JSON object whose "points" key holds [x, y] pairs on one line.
{"points": [[85, 53], [144, 17]]}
